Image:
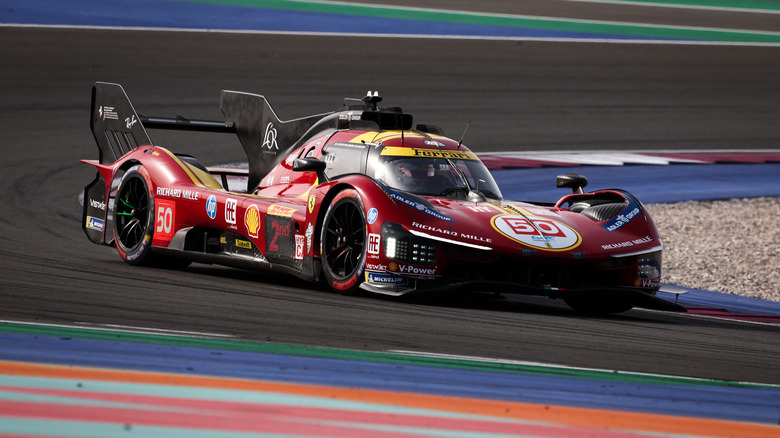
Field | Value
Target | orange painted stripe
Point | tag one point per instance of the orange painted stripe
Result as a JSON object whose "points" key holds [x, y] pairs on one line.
{"points": [[561, 415]]}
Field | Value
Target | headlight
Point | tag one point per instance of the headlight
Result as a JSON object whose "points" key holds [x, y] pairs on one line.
{"points": [[402, 246], [649, 266]]}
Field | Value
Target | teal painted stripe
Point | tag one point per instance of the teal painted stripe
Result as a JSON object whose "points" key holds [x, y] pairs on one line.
{"points": [[746, 5], [512, 21], [367, 356], [83, 429], [196, 393]]}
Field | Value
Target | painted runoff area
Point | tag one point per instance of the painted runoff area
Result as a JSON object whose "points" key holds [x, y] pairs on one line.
{"points": [[68, 381]]}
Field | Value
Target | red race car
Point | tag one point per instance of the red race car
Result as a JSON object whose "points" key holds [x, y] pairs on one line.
{"points": [[362, 200]]}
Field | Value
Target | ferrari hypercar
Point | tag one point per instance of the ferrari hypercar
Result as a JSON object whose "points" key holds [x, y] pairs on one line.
{"points": [[360, 199]]}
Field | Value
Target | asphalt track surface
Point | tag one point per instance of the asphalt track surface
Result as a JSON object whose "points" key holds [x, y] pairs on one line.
{"points": [[517, 95]]}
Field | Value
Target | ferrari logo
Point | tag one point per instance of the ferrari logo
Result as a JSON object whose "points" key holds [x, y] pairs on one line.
{"points": [[312, 202]]}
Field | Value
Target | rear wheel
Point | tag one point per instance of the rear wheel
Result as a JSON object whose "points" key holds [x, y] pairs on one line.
{"points": [[343, 242], [133, 221]]}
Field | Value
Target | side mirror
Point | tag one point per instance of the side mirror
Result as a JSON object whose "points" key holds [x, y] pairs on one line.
{"points": [[571, 180], [311, 165]]}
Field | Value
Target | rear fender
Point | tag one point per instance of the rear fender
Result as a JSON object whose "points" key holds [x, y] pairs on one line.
{"points": [[96, 204], [97, 221]]}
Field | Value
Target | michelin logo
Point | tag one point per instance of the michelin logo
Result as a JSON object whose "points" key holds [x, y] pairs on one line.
{"points": [[378, 278], [94, 223]]}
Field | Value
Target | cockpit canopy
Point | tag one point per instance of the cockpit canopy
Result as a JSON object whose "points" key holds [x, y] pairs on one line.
{"points": [[428, 172]]}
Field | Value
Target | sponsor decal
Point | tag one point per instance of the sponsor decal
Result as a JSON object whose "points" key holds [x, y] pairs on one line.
{"points": [[409, 269], [374, 242], [279, 210], [230, 210], [299, 239], [252, 221], [243, 244], [94, 223], [412, 203], [376, 267], [627, 243], [269, 139], [381, 278], [211, 207], [628, 214], [452, 233], [107, 113], [309, 234], [372, 215], [649, 283], [555, 236], [397, 151], [97, 204], [178, 193], [164, 219], [351, 115], [479, 208], [130, 121], [535, 211], [312, 203]]}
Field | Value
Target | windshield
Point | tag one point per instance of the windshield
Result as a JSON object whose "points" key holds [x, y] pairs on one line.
{"points": [[435, 176]]}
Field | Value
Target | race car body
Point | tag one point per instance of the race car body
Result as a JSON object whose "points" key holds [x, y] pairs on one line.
{"points": [[361, 200]]}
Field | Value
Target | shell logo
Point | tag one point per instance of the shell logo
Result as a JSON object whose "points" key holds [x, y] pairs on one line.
{"points": [[252, 220]]}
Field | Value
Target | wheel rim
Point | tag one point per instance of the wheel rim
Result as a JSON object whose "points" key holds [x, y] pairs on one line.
{"points": [[132, 213], [344, 240]]}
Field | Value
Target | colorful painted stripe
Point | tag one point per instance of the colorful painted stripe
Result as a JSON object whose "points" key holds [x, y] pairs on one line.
{"points": [[50, 400], [508, 160], [354, 19], [495, 383], [649, 183]]}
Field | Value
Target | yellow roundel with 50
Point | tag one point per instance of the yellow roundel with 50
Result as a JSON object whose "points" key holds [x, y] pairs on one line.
{"points": [[537, 232]]}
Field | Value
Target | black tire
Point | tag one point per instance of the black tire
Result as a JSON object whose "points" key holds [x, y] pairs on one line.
{"points": [[598, 304], [133, 217], [343, 242]]}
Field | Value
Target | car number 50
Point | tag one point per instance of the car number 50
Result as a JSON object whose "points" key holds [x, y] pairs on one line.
{"points": [[164, 220]]}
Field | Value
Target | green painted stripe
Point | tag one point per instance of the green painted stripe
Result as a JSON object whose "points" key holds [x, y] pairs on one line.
{"points": [[747, 5], [367, 356], [513, 21]]}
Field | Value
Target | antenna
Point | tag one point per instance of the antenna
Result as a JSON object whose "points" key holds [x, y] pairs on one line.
{"points": [[464, 133], [371, 99]]}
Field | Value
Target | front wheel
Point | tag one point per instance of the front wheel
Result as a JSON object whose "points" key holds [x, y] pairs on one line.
{"points": [[343, 242]]}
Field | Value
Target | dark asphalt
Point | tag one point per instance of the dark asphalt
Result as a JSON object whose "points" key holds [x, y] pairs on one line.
{"points": [[516, 95]]}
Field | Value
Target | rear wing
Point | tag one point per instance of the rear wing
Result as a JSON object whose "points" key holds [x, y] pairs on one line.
{"points": [[118, 128]]}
